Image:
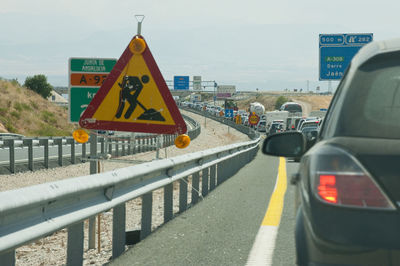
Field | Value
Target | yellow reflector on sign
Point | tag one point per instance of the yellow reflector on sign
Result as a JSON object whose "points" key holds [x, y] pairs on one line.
{"points": [[80, 136], [182, 141], [137, 46]]}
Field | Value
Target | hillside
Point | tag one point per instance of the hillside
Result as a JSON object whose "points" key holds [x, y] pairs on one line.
{"points": [[23, 111]]}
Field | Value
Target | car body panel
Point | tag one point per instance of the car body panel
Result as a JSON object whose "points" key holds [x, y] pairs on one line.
{"points": [[362, 123]]}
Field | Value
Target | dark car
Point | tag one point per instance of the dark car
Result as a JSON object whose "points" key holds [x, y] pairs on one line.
{"points": [[348, 183], [275, 128]]}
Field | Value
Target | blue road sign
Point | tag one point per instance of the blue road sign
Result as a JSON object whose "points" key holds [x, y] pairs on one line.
{"points": [[229, 113], [181, 82], [336, 52]]}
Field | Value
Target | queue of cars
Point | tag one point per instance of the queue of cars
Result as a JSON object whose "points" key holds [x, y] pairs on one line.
{"points": [[271, 127], [217, 110], [348, 184]]}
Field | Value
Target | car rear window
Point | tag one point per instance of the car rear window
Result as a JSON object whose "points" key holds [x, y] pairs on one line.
{"points": [[371, 107]]}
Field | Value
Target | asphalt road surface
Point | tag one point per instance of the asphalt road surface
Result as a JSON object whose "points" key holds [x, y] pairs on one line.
{"points": [[221, 229]]}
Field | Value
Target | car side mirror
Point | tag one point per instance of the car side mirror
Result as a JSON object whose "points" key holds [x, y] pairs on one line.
{"points": [[287, 144]]}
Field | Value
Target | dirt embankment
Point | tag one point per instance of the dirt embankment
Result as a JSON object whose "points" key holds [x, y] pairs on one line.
{"points": [[25, 112]]}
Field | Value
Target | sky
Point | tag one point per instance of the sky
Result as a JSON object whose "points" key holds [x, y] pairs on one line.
{"points": [[253, 44]]}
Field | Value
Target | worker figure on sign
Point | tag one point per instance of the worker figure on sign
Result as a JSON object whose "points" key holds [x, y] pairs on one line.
{"points": [[131, 87]]}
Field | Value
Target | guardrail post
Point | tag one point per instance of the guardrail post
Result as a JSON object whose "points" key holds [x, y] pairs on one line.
{"points": [[204, 182], [110, 147], [129, 145], [73, 153], [75, 244], [139, 144], [83, 152], [11, 146], [195, 188], [123, 147], [102, 147], [118, 236], [29, 143], [168, 202], [93, 153], [134, 144], [213, 174], [150, 143], [58, 141], [8, 258], [45, 143], [116, 148], [147, 204], [93, 170], [183, 188]]}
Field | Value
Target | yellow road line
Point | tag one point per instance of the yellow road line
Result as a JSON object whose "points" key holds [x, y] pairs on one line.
{"points": [[262, 252], [275, 207]]}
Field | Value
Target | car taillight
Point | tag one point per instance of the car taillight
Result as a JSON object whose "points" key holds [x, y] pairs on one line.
{"points": [[339, 179], [327, 189]]}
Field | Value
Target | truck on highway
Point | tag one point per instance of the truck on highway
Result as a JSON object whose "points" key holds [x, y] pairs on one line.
{"points": [[257, 108]]}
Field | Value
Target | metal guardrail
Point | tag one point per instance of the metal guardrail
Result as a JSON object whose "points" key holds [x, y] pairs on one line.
{"points": [[114, 145], [34, 212], [241, 128]]}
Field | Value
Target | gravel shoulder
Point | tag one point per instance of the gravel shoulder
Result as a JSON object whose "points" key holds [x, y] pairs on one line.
{"points": [[52, 250]]}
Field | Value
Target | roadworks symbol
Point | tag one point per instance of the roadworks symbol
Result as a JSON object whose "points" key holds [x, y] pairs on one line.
{"points": [[131, 87]]}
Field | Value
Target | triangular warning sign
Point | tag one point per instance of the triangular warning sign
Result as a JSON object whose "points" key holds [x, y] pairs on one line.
{"points": [[134, 97]]}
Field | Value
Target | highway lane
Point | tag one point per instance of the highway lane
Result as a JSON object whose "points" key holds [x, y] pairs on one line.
{"points": [[221, 229]]}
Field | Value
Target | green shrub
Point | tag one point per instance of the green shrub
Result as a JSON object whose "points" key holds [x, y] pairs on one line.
{"points": [[39, 84], [49, 117], [3, 111], [281, 100], [16, 114], [9, 126], [18, 106], [49, 130], [26, 107]]}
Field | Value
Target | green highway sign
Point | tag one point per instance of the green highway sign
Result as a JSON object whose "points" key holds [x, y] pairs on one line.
{"points": [[91, 65], [79, 99], [85, 78]]}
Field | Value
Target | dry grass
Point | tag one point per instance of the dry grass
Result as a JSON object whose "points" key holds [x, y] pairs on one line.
{"points": [[25, 112], [268, 100]]}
